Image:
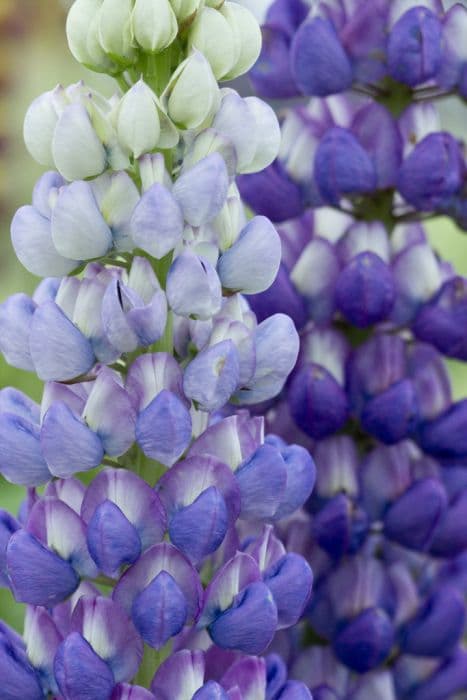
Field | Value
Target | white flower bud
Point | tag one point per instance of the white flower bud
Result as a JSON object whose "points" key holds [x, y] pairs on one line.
{"points": [[138, 127], [40, 122], [82, 28], [184, 9], [247, 34], [207, 142], [154, 24], [152, 169], [211, 34], [115, 32], [267, 135], [192, 94], [77, 150], [229, 222]]}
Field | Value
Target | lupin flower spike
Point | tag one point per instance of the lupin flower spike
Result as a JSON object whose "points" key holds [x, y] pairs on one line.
{"points": [[144, 337]]}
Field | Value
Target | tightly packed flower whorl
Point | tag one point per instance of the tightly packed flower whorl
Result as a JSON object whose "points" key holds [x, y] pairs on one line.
{"points": [[162, 578]]}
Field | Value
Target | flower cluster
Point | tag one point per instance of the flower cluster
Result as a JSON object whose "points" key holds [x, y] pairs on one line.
{"points": [[340, 44], [333, 153], [163, 577], [377, 309]]}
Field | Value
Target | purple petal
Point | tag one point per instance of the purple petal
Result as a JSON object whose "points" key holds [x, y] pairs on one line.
{"points": [[45, 191], [251, 264], [272, 193], [14, 401], [262, 480], [413, 518], [318, 404], [414, 46], [62, 530], [8, 526], [393, 414], [148, 322], [42, 641], [212, 377], [290, 581], [448, 678], [160, 610], [377, 132], [365, 290], [37, 575], [79, 230], [187, 480], [80, 672], [295, 690], [314, 275], [437, 626], [70, 491], [15, 321], [157, 222], [160, 557], [431, 174], [180, 676], [281, 297], [193, 287], [149, 374], [249, 625], [199, 528], [134, 498], [238, 573], [21, 459], [77, 150], [319, 63], [343, 167], [366, 641], [163, 428], [210, 691], [276, 675], [202, 190], [32, 241], [19, 679], [231, 440], [123, 691], [271, 75], [249, 674], [112, 539], [109, 631], [58, 349], [301, 476], [110, 414], [67, 443], [277, 345]]}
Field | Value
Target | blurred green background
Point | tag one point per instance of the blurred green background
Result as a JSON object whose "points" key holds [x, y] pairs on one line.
{"points": [[34, 58]]}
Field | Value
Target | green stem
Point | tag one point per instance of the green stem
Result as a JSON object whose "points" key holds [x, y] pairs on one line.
{"points": [[122, 83], [165, 344], [152, 659], [158, 69]]}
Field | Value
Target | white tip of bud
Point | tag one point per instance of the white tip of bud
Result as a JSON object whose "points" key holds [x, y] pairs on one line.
{"points": [[39, 126], [247, 33], [152, 170], [115, 31], [138, 126], [211, 34], [82, 30], [268, 135], [154, 24], [184, 9], [192, 94]]}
